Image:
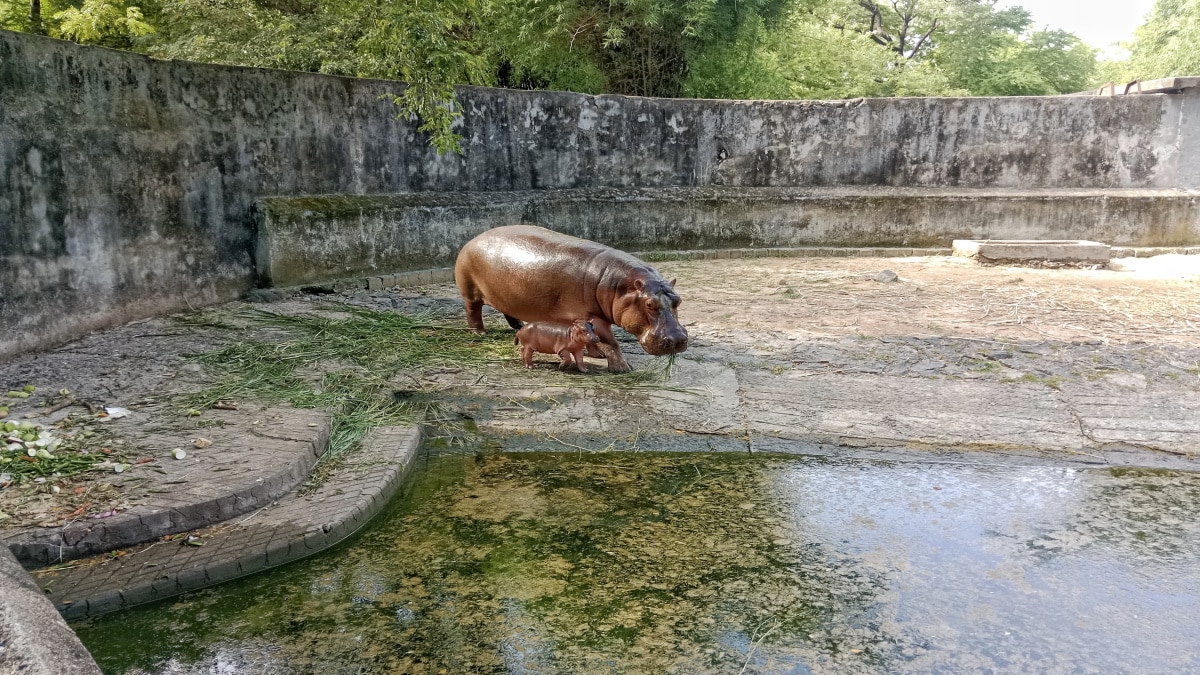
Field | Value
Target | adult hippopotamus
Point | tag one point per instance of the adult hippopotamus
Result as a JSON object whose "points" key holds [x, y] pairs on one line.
{"points": [[533, 274]]}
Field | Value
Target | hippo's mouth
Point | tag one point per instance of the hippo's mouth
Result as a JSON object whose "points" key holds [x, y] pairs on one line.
{"points": [[661, 346]]}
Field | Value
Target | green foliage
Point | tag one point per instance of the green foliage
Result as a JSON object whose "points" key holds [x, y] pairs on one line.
{"points": [[847, 48], [992, 53], [807, 58], [1168, 43], [101, 22], [636, 47]]}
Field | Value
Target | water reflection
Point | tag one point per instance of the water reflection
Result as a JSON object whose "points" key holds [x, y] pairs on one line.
{"points": [[714, 564]]}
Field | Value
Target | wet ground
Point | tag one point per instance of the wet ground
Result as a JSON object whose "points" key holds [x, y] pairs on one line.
{"points": [[702, 563]]}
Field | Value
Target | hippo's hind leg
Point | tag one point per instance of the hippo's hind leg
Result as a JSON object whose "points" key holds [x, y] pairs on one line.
{"points": [[473, 301], [474, 315]]}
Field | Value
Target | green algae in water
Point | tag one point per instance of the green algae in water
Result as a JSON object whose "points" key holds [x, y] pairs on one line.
{"points": [[533, 563], [651, 563]]}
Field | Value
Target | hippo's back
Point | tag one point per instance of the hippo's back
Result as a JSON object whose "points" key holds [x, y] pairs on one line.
{"points": [[527, 247], [535, 274]]}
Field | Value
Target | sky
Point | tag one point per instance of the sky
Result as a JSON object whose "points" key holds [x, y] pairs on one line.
{"points": [[1100, 23]]}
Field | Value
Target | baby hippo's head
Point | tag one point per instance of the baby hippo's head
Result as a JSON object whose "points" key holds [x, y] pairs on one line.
{"points": [[583, 334]]}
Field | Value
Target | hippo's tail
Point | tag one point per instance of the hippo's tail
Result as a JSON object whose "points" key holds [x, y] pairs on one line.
{"points": [[514, 322]]}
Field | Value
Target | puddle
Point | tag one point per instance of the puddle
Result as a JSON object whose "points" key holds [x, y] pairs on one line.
{"points": [[714, 563]]}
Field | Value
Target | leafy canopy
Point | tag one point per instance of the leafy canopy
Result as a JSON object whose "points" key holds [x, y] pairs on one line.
{"points": [[1168, 43]]}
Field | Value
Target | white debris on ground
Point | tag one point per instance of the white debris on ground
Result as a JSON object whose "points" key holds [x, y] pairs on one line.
{"points": [[1169, 266]]}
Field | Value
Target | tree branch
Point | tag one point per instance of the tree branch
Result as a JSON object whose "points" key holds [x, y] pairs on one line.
{"points": [[925, 37]]}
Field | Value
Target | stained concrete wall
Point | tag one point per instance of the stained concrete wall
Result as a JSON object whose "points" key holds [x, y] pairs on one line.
{"points": [[306, 240], [126, 183]]}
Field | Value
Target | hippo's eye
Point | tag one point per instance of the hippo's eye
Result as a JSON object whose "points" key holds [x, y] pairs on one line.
{"points": [[651, 304]]}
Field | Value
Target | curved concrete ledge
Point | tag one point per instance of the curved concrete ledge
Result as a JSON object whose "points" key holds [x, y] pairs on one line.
{"points": [[268, 463], [34, 639], [292, 528]]}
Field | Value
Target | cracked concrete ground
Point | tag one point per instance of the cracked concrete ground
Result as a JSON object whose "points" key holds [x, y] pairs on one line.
{"points": [[813, 355]]}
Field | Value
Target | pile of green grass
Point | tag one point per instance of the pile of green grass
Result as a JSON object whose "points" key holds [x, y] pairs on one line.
{"points": [[345, 361], [361, 351]]}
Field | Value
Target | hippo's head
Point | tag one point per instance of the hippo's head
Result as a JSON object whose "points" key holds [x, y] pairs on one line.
{"points": [[647, 310], [583, 333]]}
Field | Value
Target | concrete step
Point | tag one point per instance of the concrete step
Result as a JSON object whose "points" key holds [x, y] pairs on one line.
{"points": [[256, 456], [292, 527]]}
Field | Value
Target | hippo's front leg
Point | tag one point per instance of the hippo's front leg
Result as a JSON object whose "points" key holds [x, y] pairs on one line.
{"points": [[609, 346]]}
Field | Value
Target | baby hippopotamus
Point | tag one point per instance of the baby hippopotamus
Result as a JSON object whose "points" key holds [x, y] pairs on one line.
{"points": [[567, 340]]}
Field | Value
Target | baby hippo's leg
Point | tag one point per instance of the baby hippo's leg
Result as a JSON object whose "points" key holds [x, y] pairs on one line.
{"points": [[565, 355], [577, 354], [527, 355]]}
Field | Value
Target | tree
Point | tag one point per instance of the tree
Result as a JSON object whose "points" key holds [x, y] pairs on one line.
{"points": [[1168, 43], [636, 47], [993, 53]]}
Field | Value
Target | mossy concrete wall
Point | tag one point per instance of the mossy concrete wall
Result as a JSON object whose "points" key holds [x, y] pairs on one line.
{"points": [[128, 183], [310, 240]]}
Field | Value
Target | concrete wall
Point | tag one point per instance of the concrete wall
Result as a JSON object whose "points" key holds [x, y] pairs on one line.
{"points": [[126, 184], [306, 240], [34, 639]]}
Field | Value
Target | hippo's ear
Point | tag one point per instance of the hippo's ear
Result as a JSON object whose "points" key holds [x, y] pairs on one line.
{"points": [[639, 284], [673, 283]]}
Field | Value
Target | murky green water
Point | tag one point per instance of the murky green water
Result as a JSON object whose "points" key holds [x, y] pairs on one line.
{"points": [[623, 563]]}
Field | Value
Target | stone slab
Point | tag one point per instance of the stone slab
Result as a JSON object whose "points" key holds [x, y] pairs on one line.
{"points": [[883, 410], [1033, 250]]}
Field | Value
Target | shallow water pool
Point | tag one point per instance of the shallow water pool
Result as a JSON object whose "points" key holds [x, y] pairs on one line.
{"points": [[652, 563]]}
